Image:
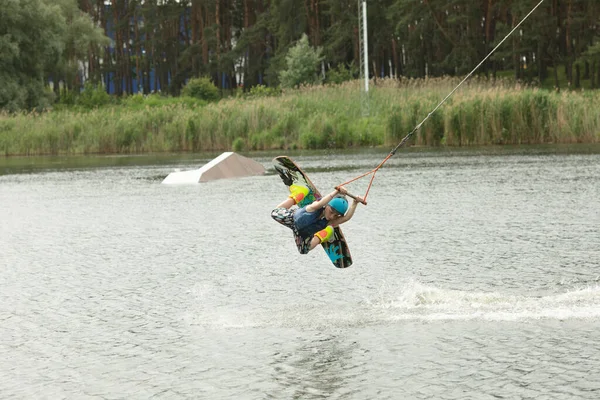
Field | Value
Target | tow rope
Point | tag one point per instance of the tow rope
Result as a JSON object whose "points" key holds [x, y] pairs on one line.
{"points": [[410, 134]]}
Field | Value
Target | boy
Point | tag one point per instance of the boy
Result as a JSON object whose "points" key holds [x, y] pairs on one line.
{"points": [[313, 224]]}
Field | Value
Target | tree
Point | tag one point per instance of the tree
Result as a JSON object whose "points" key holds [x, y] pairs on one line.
{"points": [[341, 33], [161, 44], [80, 38], [42, 40], [31, 39], [302, 62]]}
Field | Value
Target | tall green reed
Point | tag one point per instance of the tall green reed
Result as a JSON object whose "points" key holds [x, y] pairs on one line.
{"points": [[482, 112]]}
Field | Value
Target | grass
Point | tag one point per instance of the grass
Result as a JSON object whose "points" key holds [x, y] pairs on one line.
{"points": [[481, 112]]}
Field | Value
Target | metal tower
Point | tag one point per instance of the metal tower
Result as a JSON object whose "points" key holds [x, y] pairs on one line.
{"points": [[363, 45]]}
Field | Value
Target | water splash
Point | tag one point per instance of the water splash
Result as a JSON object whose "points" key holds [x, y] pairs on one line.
{"points": [[417, 301], [409, 301]]}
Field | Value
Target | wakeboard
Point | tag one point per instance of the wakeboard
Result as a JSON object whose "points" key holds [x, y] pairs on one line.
{"points": [[337, 248]]}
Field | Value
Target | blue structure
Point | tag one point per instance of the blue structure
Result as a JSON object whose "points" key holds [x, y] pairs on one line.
{"points": [[154, 84], [137, 83]]}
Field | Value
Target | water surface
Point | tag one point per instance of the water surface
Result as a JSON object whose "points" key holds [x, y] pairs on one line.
{"points": [[475, 276]]}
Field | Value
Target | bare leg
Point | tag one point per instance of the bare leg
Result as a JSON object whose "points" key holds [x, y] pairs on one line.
{"points": [[287, 203], [321, 237], [314, 242]]}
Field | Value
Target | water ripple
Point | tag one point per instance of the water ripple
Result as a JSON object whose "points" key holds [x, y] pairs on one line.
{"points": [[474, 276]]}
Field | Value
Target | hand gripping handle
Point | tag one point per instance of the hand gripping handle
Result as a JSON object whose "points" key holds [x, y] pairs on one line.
{"points": [[353, 196]]}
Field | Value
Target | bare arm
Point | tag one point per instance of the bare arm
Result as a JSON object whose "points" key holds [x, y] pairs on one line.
{"points": [[316, 205], [349, 214]]}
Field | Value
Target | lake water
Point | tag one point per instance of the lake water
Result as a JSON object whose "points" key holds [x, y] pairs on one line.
{"points": [[475, 276]]}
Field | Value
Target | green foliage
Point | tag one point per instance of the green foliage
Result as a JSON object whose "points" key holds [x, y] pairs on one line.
{"points": [[66, 98], [133, 101], [342, 73], [263, 91], [368, 132], [302, 61], [201, 88], [287, 126], [140, 101], [238, 144], [41, 39], [93, 96], [266, 140], [310, 140], [80, 36], [321, 117], [30, 39]]}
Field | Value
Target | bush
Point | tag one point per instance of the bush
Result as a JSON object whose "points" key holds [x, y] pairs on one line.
{"points": [[263, 91], [302, 62], [133, 100], [201, 88], [342, 73], [67, 97], [238, 144], [93, 96]]}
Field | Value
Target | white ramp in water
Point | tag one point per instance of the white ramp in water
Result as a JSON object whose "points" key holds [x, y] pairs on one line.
{"points": [[227, 165]]}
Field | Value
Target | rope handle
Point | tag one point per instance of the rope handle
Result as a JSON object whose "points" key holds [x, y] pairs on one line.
{"points": [[352, 196], [374, 171]]}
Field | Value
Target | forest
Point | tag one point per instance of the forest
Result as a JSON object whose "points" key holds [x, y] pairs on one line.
{"points": [[245, 41], [132, 46], [137, 76]]}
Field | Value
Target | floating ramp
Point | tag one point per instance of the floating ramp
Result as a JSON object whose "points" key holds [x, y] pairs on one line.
{"points": [[227, 165]]}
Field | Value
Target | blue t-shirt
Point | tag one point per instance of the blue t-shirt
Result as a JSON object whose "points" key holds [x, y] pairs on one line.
{"points": [[309, 223]]}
